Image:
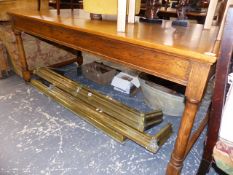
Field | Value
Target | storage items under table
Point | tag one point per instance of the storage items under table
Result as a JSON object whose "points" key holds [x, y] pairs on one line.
{"points": [[111, 116]]}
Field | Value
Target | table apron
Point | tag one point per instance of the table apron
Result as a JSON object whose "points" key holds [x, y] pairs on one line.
{"points": [[152, 61]]}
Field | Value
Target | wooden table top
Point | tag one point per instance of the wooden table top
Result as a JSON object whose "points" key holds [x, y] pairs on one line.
{"points": [[192, 41]]}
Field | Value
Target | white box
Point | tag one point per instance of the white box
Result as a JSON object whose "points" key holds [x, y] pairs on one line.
{"points": [[125, 83]]}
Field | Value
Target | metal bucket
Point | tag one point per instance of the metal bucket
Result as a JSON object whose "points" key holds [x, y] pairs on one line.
{"points": [[161, 97]]}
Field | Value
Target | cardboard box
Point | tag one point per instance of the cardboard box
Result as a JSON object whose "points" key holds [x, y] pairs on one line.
{"points": [[125, 83]]}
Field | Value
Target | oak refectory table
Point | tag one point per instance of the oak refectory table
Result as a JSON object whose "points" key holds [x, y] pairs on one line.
{"points": [[185, 55]]}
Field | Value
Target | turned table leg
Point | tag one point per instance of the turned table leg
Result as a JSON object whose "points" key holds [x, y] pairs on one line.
{"points": [[58, 4], [176, 162], [4, 67], [72, 5], [194, 91], [22, 58], [38, 5], [79, 58]]}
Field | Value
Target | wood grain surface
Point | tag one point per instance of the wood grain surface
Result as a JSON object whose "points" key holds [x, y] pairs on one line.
{"points": [[191, 41]]}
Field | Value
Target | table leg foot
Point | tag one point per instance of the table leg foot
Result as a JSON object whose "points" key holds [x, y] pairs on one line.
{"points": [[174, 166], [26, 76]]}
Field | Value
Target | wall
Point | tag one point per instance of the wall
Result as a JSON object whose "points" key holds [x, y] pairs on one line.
{"points": [[6, 5]]}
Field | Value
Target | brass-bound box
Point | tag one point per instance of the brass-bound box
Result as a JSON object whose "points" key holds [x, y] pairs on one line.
{"points": [[98, 72]]}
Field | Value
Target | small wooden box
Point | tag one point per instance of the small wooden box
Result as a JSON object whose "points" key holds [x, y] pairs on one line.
{"points": [[98, 72]]}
